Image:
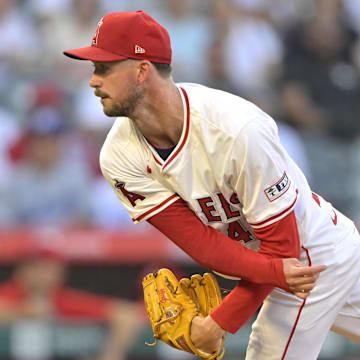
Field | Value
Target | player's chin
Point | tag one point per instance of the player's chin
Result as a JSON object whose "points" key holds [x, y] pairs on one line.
{"points": [[108, 111]]}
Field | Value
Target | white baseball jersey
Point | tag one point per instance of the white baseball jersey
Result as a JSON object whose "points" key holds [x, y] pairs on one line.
{"points": [[231, 169], [229, 166]]}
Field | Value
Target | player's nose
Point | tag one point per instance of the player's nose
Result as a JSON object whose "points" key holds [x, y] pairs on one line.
{"points": [[94, 82]]}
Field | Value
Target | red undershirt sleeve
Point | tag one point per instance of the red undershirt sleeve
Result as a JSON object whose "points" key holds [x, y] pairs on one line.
{"points": [[260, 271], [215, 251], [238, 307]]}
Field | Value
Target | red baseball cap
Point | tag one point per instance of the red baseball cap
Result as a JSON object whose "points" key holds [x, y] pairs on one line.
{"points": [[126, 35]]}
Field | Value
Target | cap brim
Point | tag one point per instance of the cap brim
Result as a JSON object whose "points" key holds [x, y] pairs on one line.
{"points": [[93, 53]]}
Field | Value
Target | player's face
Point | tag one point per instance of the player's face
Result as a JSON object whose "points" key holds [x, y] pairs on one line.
{"points": [[115, 83]]}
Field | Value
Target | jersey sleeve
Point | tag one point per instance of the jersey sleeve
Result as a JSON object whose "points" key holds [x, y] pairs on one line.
{"points": [[141, 196], [126, 172], [262, 181]]}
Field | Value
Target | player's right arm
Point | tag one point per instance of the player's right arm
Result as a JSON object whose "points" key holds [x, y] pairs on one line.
{"points": [[124, 164]]}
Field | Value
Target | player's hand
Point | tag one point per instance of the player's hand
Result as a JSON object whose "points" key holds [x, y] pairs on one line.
{"points": [[206, 334], [300, 278]]}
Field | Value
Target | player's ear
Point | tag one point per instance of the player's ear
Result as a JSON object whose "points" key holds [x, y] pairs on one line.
{"points": [[143, 68]]}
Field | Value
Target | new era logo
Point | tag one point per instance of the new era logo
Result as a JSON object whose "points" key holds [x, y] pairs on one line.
{"points": [[139, 50]]}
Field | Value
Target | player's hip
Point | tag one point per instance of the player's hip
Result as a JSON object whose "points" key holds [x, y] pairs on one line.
{"points": [[286, 325]]}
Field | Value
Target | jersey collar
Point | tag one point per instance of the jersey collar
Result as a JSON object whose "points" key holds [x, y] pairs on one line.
{"points": [[183, 138]]}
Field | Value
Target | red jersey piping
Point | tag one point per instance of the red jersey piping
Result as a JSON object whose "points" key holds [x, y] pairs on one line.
{"points": [[299, 313], [187, 127], [155, 208], [156, 160], [165, 163], [277, 215]]}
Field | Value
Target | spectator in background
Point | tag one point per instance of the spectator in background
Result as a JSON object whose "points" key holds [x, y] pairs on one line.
{"points": [[320, 91], [352, 12], [294, 144], [66, 27], [8, 133], [42, 9], [50, 183], [279, 13], [19, 42], [36, 291], [126, 5], [190, 43], [253, 49], [19, 48], [323, 47], [216, 65], [217, 55]]}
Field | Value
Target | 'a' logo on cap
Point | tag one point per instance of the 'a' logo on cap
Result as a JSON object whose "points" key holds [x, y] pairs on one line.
{"points": [[96, 35], [139, 50]]}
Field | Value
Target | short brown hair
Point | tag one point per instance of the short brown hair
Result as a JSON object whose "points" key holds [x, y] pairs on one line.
{"points": [[163, 69]]}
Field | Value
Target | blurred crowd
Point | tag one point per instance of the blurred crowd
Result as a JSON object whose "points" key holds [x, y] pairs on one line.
{"points": [[298, 60], [36, 298]]}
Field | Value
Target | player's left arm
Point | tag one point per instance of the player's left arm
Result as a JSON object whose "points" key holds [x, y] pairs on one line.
{"points": [[278, 238], [282, 239], [268, 185], [268, 196]]}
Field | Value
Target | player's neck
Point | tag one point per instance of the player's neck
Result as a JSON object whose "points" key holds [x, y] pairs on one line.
{"points": [[161, 116]]}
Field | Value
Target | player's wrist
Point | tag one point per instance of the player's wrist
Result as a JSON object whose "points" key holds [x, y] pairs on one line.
{"points": [[213, 327], [278, 274], [206, 333]]}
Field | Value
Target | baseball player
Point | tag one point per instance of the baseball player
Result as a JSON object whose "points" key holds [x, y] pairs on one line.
{"points": [[207, 169]]}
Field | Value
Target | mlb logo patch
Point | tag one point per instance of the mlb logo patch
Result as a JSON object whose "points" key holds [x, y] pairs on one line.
{"points": [[275, 191]]}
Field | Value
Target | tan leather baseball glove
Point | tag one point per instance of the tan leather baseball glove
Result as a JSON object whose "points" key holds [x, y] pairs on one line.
{"points": [[171, 305]]}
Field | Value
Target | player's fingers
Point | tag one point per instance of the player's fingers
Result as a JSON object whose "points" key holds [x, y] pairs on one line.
{"points": [[302, 280], [303, 288], [310, 270], [302, 295]]}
